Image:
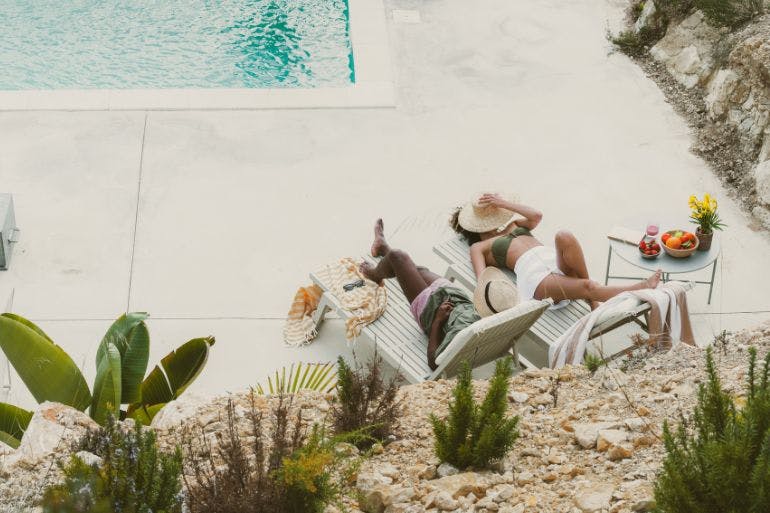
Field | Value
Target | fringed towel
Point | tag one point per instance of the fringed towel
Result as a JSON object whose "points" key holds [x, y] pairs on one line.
{"points": [[669, 319], [365, 303], [300, 329]]}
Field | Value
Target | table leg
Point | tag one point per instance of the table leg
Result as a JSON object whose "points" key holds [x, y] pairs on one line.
{"points": [[607, 271], [713, 273]]}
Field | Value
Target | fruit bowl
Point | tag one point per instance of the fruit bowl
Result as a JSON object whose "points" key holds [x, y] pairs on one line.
{"points": [[649, 250], [679, 243]]}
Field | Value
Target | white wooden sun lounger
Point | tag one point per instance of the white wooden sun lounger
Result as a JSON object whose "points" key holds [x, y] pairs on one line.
{"points": [[402, 344], [533, 346]]}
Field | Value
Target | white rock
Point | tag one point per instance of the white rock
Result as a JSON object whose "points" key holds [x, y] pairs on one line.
{"points": [[367, 481], [762, 180], [720, 89], [687, 50], [646, 17], [177, 411], [519, 397], [52, 428], [444, 502], [445, 469], [89, 458], [762, 214], [610, 437], [587, 433], [594, 498]]}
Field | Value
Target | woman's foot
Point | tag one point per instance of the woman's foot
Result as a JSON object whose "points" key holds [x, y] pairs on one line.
{"points": [[652, 282], [379, 246], [370, 272]]}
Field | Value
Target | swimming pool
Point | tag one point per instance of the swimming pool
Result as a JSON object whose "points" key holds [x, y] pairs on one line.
{"points": [[175, 44]]}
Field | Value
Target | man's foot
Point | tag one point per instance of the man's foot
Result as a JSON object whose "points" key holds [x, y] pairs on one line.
{"points": [[653, 281], [379, 246], [370, 272]]}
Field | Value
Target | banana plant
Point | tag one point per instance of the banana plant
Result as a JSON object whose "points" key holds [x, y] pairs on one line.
{"points": [[121, 363], [316, 376]]}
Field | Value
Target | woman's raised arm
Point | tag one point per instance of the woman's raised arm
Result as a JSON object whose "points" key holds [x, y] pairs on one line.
{"points": [[532, 216]]}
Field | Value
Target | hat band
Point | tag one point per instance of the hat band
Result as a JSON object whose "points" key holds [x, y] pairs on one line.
{"points": [[486, 298]]}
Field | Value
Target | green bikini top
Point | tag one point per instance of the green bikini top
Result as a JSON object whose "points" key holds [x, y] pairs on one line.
{"points": [[501, 244]]}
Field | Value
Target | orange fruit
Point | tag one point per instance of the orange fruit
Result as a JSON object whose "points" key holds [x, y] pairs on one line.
{"points": [[687, 237], [674, 242]]}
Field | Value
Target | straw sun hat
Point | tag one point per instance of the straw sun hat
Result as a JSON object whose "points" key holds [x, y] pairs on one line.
{"points": [[478, 218], [494, 293]]}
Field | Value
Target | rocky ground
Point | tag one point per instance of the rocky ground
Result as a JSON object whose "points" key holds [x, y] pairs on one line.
{"points": [[718, 80], [589, 443]]}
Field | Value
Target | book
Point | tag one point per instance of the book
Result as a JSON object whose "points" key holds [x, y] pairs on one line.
{"points": [[627, 235]]}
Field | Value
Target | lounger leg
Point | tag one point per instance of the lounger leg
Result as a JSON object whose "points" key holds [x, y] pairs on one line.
{"points": [[320, 312]]}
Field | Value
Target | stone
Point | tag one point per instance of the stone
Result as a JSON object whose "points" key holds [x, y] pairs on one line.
{"points": [[620, 451], [762, 214], [378, 448], [445, 469], [643, 505], [542, 400], [518, 397], [609, 437], [687, 50], [444, 501], [89, 458], [383, 496], [762, 181], [53, 426], [460, 485], [525, 478], [635, 424], [594, 498], [719, 92], [179, 410], [646, 17], [586, 433], [405, 508], [367, 481]]}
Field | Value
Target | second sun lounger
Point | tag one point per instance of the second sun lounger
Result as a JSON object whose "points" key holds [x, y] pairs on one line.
{"points": [[533, 346], [401, 343]]}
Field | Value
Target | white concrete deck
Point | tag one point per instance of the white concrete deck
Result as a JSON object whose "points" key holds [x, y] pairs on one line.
{"points": [[210, 220]]}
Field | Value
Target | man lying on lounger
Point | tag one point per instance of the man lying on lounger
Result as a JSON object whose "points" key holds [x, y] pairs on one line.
{"points": [[440, 308]]}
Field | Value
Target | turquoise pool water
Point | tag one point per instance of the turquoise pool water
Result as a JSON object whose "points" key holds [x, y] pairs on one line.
{"points": [[138, 44]]}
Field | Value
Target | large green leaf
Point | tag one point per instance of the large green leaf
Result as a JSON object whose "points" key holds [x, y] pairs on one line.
{"points": [[107, 385], [13, 423], [47, 371], [177, 370], [129, 334]]}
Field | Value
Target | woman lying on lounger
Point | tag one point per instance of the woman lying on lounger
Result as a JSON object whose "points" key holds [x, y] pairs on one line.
{"points": [[499, 239], [441, 309]]}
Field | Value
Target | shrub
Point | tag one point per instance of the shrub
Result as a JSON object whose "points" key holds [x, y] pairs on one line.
{"points": [[242, 474], [366, 403], [593, 362], [722, 464], [476, 435], [133, 477], [727, 13], [637, 44]]}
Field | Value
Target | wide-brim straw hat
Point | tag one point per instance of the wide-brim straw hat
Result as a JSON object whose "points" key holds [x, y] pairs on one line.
{"points": [[494, 293], [478, 218]]}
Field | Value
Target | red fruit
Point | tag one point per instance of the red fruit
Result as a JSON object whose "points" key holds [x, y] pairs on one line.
{"points": [[642, 245], [664, 238]]}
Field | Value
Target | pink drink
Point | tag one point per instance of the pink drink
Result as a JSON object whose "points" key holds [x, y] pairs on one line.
{"points": [[652, 229]]}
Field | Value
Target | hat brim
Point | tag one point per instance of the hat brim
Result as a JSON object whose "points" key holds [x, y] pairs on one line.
{"points": [[489, 275]]}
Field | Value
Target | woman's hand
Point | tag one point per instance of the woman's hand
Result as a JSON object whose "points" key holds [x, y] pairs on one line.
{"points": [[443, 311], [494, 200]]}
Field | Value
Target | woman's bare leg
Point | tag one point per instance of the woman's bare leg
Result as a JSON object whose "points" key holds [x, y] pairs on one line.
{"points": [[395, 264], [559, 287], [569, 255]]}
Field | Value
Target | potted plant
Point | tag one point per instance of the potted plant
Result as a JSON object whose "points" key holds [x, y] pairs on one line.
{"points": [[704, 214]]}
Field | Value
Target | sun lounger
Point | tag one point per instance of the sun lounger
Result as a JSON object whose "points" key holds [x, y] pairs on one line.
{"points": [[401, 343], [533, 346]]}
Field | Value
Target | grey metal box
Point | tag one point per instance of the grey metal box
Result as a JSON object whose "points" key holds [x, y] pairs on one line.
{"points": [[8, 231]]}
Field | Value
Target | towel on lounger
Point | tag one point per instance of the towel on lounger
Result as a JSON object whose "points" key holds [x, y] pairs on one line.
{"points": [[669, 319], [300, 329]]}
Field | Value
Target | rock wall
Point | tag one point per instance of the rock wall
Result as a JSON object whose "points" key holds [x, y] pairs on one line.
{"points": [[588, 444], [733, 72]]}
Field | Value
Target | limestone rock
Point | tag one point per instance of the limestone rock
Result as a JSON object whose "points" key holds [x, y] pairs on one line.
{"points": [[609, 437], [459, 485], [646, 17], [52, 428], [687, 50], [620, 451], [587, 433], [762, 180], [178, 411], [444, 502], [594, 498], [445, 469], [762, 214], [518, 397], [89, 458]]}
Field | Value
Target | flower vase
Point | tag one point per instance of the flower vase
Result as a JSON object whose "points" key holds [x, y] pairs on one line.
{"points": [[704, 240]]}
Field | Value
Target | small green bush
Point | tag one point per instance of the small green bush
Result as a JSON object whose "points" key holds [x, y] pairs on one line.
{"points": [[366, 403], [637, 44], [593, 362], [722, 464], [477, 435], [133, 476], [721, 13]]}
